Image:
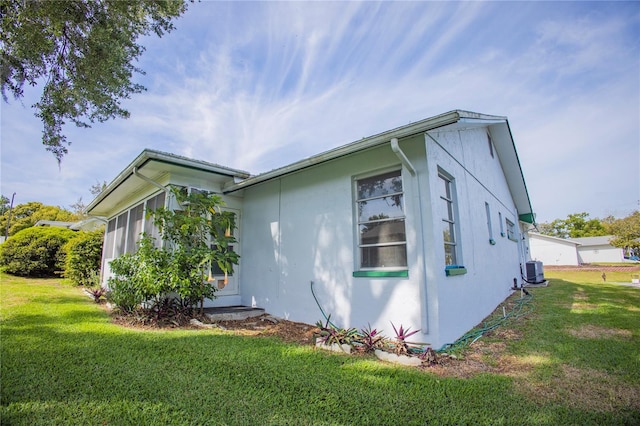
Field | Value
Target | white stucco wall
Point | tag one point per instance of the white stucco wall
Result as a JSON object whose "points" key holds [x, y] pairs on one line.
{"points": [[602, 253], [464, 300], [553, 251], [300, 229]]}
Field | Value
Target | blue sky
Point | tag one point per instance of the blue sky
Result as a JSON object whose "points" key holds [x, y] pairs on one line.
{"points": [[258, 85]]}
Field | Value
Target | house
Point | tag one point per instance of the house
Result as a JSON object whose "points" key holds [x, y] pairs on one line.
{"points": [[89, 224], [553, 250], [598, 249], [573, 251], [423, 226]]}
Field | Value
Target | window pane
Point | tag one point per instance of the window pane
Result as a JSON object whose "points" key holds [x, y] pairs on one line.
{"points": [[380, 208], [448, 232], [386, 256], [121, 234], [445, 209], [376, 186], [135, 228], [445, 188], [110, 239], [449, 254], [382, 232]]}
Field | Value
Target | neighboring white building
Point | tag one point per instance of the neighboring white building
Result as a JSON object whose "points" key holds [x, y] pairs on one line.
{"points": [[424, 225], [573, 251], [598, 250], [552, 250], [89, 224]]}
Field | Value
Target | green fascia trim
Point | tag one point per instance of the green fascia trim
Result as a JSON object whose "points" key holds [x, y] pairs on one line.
{"points": [[455, 271], [527, 217], [381, 274]]}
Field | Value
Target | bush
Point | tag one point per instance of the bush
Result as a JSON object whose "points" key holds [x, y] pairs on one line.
{"points": [[84, 253], [140, 277], [35, 252]]}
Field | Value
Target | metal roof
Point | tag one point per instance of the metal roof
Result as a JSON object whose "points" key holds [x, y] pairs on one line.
{"points": [[157, 162], [456, 119]]}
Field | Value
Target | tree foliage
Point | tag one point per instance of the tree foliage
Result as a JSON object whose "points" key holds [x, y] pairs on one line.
{"points": [[197, 237], [82, 52], [26, 215], [35, 252], [576, 225], [626, 232]]}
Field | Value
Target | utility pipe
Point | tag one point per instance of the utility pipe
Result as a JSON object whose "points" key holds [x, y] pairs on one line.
{"points": [[148, 180], [395, 147]]}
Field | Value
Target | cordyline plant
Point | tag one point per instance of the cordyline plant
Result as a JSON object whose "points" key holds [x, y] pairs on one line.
{"points": [[401, 346], [370, 340], [331, 334], [97, 293]]}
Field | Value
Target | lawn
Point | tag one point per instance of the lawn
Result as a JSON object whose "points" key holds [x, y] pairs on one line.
{"points": [[574, 360]]}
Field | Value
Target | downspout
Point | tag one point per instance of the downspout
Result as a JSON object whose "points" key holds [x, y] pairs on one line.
{"points": [[148, 180], [395, 147]]}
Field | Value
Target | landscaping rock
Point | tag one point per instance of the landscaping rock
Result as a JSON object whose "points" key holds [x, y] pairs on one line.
{"points": [[411, 361]]}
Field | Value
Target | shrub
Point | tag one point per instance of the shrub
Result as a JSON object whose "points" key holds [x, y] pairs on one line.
{"points": [[35, 252], [139, 277], [84, 253]]}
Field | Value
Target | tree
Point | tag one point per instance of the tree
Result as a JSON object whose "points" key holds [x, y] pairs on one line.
{"points": [[197, 238], [626, 232], [576, 225], [79, 209], [82, 52], [26, 215], [98, 188], [4, 204]]}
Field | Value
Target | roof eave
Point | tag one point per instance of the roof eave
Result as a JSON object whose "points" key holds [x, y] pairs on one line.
{"points": [[361, 145], [152, 155]]}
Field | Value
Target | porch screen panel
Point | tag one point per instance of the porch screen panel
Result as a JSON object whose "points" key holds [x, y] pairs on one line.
{"points": [[149, 225], [110, 238], [135, 228], [121, 234]]}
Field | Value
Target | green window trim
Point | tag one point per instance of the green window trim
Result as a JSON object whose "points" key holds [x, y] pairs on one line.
{"points": [[381, 274], [452, 270]]}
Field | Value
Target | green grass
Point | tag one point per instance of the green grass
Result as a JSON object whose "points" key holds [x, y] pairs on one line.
{"points": [[63, 362]]}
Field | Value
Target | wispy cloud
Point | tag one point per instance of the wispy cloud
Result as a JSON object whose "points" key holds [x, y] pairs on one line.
{"points": [[259, 85]]}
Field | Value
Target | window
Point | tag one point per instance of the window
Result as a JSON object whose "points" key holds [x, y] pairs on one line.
{"points": [[447, 213], [511, 230], [382, 241], [489, 227], [501, 224]]}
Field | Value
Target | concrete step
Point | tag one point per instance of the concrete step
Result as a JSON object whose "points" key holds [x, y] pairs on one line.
{"points": [[230, 313]]}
